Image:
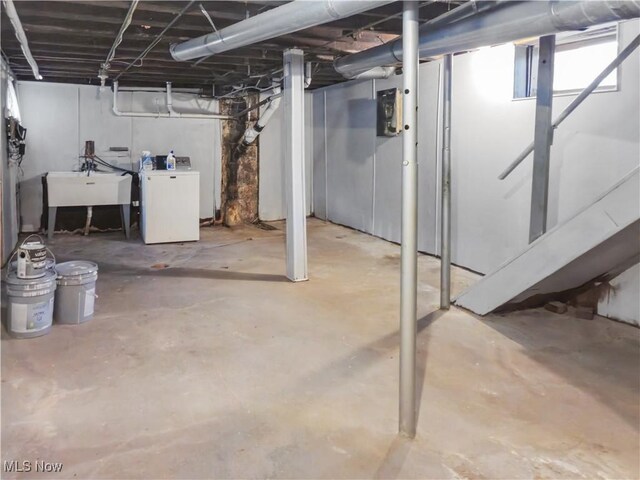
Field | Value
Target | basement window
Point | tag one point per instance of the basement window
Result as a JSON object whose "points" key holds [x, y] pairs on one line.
{"points": [[580, 57]]}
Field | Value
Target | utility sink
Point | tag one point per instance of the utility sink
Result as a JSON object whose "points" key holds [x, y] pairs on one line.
{"points": [[77, 189]]}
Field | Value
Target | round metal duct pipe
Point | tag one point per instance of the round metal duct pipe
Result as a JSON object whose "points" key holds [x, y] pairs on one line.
{"points": [[507, 21], [288, 18]]}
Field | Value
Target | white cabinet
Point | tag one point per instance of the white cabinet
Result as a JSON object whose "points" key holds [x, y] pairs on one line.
{"points": [[170, 206]]}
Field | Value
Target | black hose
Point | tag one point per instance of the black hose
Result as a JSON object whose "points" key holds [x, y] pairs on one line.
{"points": [[107, 164]]}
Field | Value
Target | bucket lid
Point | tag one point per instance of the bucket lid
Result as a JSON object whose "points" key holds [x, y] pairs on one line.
{"points": [[75, 268], [48, 264], [32, 246], [12, 279]]}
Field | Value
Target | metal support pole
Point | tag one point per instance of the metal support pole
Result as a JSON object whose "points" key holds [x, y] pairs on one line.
{"points": [[445, 205], [622, 56], [51, 225], [542, 139], [293, 141], [409, 248]]}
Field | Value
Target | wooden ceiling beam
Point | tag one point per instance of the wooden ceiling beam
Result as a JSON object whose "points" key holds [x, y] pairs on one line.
{"points": [[216, 9], [89, 73], [73, 37], [246, 52], [83, 56], [151, 66], [32, 16]]}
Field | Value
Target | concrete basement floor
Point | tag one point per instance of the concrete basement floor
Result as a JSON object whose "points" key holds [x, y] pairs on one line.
{"points": [[216, 366]]}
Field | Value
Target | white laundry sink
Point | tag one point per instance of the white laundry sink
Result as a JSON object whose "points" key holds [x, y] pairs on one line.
{"points": [[76, 189]]}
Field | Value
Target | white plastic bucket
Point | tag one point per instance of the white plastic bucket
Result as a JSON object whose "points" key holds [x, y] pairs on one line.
{"points": [[76, 293], [30, 304], [30, 271]]}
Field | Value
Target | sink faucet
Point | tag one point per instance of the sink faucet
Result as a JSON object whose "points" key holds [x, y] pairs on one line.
{"points": [[89, 165]]}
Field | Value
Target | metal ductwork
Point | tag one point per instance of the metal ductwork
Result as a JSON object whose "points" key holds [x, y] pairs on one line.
{"points": [[376, 73], [288, 18], [503, 22]]}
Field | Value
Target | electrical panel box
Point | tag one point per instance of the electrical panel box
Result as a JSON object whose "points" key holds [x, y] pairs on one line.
{"points": [[389, 116], [16, 136]]}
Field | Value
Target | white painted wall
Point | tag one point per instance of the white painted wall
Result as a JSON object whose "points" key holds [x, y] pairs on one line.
{"points": [[271, 194], [359, 174], [623, 299], [593, 149], [60, 117]]}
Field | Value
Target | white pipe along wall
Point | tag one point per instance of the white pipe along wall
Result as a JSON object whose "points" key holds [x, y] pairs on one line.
{"points": [[60, 117], [357, 176], [170, 113]]}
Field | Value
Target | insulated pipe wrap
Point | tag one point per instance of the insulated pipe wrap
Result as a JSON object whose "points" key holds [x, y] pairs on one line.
{"points": [[507, 22], [331, 9], [288, 18]]}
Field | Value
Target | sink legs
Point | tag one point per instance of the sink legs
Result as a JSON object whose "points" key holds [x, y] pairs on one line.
{"points": [[51, 225], [125, 213]]}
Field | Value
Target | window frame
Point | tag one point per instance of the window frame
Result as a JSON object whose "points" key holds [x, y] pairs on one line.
{"points": [[526, 60]]}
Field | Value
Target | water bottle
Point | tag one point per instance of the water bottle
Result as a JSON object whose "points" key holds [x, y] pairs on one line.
{"points": [[146, 161]]}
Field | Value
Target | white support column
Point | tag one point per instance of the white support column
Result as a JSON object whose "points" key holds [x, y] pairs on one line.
{"points": [[409, 247], [293, 141]]}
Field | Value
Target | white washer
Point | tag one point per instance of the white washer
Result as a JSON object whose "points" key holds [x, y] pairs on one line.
{"points": [[170, 206]]}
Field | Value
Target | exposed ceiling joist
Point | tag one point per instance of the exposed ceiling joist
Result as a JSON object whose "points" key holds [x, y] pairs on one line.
{"points": [[71, 39]]}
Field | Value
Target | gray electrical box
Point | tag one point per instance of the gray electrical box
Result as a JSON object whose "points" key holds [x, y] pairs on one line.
{"points": [[389, 112]]}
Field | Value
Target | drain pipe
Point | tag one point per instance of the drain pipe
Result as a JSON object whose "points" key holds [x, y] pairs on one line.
{"points": [[252, 132], [170, 112], [10, 9], [288, 18], [174, 114], [504, 22], [87, 224], [307, 74]]}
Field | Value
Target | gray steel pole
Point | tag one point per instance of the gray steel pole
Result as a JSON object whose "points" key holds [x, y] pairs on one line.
{"points": [[409, 248], [445, 213], [543, 137], [622, 56]]}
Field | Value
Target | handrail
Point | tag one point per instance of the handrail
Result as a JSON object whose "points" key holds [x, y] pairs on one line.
{"points": [[577, 101]]}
